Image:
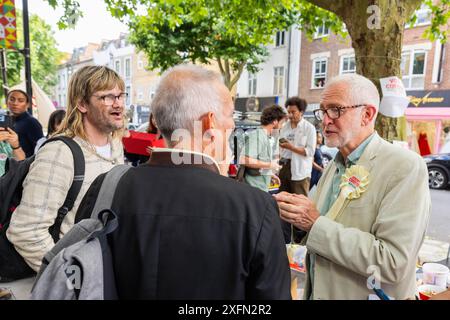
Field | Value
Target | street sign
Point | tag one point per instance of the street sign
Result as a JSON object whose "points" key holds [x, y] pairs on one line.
{"points": [[8, 36]]}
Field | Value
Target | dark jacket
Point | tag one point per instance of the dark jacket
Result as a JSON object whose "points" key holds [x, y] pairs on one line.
{"points": [[29, 131], [186, 232], [316, 174]]}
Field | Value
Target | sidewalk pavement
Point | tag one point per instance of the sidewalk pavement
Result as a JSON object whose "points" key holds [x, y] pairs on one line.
{"points": [[435, 251], [431, 251], [20, 289]]}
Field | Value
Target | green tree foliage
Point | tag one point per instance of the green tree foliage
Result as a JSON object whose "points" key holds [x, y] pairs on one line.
{"points": [[227, 32], [43, 51], [232, 33]]}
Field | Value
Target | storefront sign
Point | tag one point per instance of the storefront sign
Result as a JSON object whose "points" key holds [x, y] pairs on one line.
{"points": [[429, 99], [253, 104]]}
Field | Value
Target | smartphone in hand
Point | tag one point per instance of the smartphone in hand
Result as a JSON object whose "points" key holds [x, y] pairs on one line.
{"points": [[5, 121]]}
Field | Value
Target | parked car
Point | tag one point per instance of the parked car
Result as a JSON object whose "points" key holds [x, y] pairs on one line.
{"points": [[438, 170], [133, 126]]}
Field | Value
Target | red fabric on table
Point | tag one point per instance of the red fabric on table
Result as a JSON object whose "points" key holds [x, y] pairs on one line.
{"points": [[138, 142]]}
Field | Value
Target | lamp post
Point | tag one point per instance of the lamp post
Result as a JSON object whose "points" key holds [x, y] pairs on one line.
{"points": [[4, 74], [26, 52]]}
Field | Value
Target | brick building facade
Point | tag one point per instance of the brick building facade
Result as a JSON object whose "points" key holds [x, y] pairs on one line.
{"points": [[425, 74]]}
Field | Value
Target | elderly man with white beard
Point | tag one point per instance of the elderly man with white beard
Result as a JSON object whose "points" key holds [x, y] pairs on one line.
{"points": [[371, 209]]}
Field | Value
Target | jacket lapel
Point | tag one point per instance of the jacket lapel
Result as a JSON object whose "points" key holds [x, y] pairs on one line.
{"points": [[372, 149]]}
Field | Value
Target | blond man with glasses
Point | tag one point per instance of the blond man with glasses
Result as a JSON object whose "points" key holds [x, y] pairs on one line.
{"points": [[94, 120], [368, 218]]}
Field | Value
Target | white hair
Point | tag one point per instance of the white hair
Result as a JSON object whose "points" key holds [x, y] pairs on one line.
{"points": [[185, 93], [360, 90]]}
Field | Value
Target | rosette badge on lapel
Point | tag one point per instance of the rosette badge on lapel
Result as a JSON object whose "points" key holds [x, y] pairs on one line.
{"points": [[354, 182]]}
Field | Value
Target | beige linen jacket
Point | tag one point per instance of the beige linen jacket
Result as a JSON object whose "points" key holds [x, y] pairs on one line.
{"points": [[44, 190], [376, 236]]}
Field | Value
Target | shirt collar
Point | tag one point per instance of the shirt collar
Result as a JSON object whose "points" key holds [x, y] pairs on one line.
{"points": [[165, 156], [354, 156]]}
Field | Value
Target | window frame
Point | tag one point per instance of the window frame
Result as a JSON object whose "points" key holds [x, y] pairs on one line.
{"points": [[252, 84], [411, 76], [318, 35], [277, 89], [423, 9], [341, 64], [313, 73], [128, 68], [117, 63], [280, 39]]}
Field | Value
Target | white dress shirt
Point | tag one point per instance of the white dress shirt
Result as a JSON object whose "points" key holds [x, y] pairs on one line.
{"points": [[304, 135]]}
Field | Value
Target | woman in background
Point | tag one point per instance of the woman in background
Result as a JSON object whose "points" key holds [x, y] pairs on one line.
{"points": [[54, 122], [317, 169], [9, 147]]}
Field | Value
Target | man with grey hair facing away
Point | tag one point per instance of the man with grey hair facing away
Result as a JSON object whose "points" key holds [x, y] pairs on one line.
{"points": [[370, 213], [185, 230]]}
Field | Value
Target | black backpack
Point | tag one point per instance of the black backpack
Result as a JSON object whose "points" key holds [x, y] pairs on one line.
{"points": [[12, 265]]}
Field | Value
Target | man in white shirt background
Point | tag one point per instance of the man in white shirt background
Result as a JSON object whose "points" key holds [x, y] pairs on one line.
{"points": [[297, 143]]}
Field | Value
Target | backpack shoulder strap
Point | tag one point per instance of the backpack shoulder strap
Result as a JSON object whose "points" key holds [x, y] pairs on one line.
{"points": [[108, 188], [77, 182]]}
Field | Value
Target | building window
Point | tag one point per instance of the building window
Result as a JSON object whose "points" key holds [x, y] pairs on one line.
{"points": [[348, 64], [152, 94], [128, 91], [423, 17], [140, 63], [140, 95], [279, 38], [63, 82], [128, 68], [278, 80], [413, 69], [322, 31], [117, 66], [319, 72], [252, 84]]}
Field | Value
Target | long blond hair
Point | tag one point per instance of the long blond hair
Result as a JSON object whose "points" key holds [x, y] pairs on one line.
{"points": [[83, 83]]}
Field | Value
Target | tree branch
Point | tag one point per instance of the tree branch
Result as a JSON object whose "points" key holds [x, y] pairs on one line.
{"points": [[411, 6], [219, 61], [335, 6], [227, 73], [237, 75]]}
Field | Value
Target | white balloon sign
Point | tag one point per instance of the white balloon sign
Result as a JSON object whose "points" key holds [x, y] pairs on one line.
{"points": [[394, 101]]}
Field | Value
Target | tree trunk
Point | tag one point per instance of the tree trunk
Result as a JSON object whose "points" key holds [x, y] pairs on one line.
{"points": [[376, 28], [230, 76]]}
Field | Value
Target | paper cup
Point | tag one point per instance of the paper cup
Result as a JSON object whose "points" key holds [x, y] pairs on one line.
{"points": [[426, 291], [435, 274]]}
